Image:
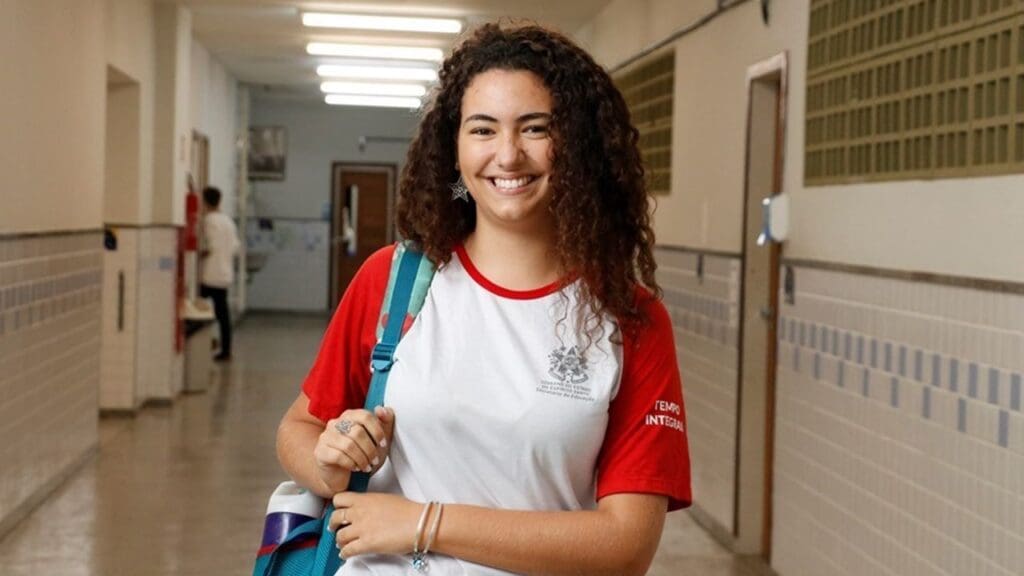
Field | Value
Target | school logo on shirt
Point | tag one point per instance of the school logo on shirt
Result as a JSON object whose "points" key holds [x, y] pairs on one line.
{"points": [[569, 370], [568, 365]]}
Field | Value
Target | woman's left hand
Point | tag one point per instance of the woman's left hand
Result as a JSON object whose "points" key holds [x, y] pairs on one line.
{"points": [[374, 523]]}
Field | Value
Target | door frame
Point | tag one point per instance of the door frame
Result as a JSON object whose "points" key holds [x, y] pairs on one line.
{"points": [[771, 70], [338, 169]]}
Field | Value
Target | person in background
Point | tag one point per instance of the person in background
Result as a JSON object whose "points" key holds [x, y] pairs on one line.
{"points": [[218, 270]]}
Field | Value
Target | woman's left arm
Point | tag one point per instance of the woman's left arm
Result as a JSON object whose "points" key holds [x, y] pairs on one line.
{"points": [[619, 538]]}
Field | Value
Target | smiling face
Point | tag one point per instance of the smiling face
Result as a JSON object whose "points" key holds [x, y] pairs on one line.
{"points": [[504, 149]]}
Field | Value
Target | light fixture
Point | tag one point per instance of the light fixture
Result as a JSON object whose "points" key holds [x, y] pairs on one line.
{"points": [[372, 101], [366, 22], [372, 89], [376, 72], [375, 51]]}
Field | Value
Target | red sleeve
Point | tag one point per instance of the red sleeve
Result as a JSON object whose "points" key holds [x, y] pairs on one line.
{"points": [[645, 447], [340, 376]]}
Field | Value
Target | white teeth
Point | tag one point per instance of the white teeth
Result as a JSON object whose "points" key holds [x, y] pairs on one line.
{"points": [[513, 183]]}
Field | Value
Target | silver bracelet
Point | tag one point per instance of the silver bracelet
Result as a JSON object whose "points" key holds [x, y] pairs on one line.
{"points": [[433, 529], [419, 559]]}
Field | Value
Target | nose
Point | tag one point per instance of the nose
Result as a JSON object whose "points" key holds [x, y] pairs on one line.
{"points": [[510, 151]]}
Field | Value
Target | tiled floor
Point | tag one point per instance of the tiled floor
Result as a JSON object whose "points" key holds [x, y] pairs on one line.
{"points": [[181, 490]]}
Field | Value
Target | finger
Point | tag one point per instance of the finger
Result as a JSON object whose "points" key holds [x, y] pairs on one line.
{"points": [[366, 444], [344, 499], [372, 425], [351, 550], [327, 455], [358, 433], [344, 538], [387, 420], [361, 452], [338, 519]]}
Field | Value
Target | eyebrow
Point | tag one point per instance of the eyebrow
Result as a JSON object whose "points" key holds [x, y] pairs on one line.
{"points": [[523, 118]]}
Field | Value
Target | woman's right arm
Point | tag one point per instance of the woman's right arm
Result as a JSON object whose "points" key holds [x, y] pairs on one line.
{"points": [[318, 456]]}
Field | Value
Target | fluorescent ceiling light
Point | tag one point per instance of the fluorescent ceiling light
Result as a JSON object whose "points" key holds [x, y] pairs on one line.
{"points": [[365, 22], [375, 51], [373, 89], [372, 101], [376, 72]]}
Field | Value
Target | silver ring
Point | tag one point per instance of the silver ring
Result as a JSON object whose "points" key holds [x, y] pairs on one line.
{"points": [[343, 426]]}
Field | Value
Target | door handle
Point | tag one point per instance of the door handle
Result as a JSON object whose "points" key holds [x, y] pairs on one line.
{"points": [[767, 313]]}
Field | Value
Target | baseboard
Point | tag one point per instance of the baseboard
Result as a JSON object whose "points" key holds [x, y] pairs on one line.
{"points": [[296, 313], [158, 403], [10, 521], [724, 537], [118, 413]]}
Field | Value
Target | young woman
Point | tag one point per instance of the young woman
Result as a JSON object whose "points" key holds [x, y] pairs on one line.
{"points": [[536, 395]]}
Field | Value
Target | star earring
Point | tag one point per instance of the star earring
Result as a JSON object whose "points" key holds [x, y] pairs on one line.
{"points": [[459, 190]]}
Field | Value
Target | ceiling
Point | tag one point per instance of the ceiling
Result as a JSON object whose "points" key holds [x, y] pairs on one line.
{"points": [[262, 42]]}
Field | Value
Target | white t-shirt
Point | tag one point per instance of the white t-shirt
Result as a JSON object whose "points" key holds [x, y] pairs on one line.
{"points": [[221, 238], [494, 409]]}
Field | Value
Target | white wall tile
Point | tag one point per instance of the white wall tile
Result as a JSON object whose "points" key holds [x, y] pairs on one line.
{"points": [[938, 499]]}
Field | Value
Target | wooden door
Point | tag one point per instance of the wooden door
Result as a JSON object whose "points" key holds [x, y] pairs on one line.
{"points": [[361, 219]]}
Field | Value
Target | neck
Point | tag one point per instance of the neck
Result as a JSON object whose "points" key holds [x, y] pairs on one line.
{"points": [[514, 260]]}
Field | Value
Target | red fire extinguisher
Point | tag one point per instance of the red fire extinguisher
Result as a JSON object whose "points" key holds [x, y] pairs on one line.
{"points": [[191, 218]]}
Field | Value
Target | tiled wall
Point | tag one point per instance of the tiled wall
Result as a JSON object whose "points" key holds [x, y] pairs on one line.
{"points": [[899, 431], [705, 313], [139, 361], [49, 360]]}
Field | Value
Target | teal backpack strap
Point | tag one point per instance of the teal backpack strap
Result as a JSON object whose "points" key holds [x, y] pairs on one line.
{"points": [[421, 284], [408, 283]]}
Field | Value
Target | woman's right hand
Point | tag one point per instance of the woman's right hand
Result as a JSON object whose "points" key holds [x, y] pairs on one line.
{"points": [[363, 448]]}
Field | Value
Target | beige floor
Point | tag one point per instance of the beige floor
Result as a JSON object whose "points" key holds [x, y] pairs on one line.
{"points": [[181, 490]]}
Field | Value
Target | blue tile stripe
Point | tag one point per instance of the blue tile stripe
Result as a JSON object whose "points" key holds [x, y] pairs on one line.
{"points": [[904, 364], [1004, 428], [972, 380], [993, 386]]}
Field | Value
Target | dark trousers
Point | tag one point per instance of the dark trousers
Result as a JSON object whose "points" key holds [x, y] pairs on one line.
{"points": [[220, 309]]}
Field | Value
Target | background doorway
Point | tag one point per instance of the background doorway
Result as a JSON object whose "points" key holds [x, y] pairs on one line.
{"points": [[362, 208]]}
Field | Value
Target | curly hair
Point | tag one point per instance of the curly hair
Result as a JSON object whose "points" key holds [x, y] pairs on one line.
{"points": [[601, 207]]}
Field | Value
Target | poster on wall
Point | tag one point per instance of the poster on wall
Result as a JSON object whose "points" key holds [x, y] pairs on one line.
{"points": [[268, 151]]}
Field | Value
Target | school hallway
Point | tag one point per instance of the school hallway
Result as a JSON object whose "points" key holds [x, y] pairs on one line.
{"points": [[839, 191], [181, 489]]}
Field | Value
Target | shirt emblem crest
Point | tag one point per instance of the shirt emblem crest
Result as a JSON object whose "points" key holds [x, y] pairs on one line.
{"points": [[568, 365]]}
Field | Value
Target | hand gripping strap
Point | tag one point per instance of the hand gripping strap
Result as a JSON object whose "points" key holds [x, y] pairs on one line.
{"points": [[408, 283]]}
